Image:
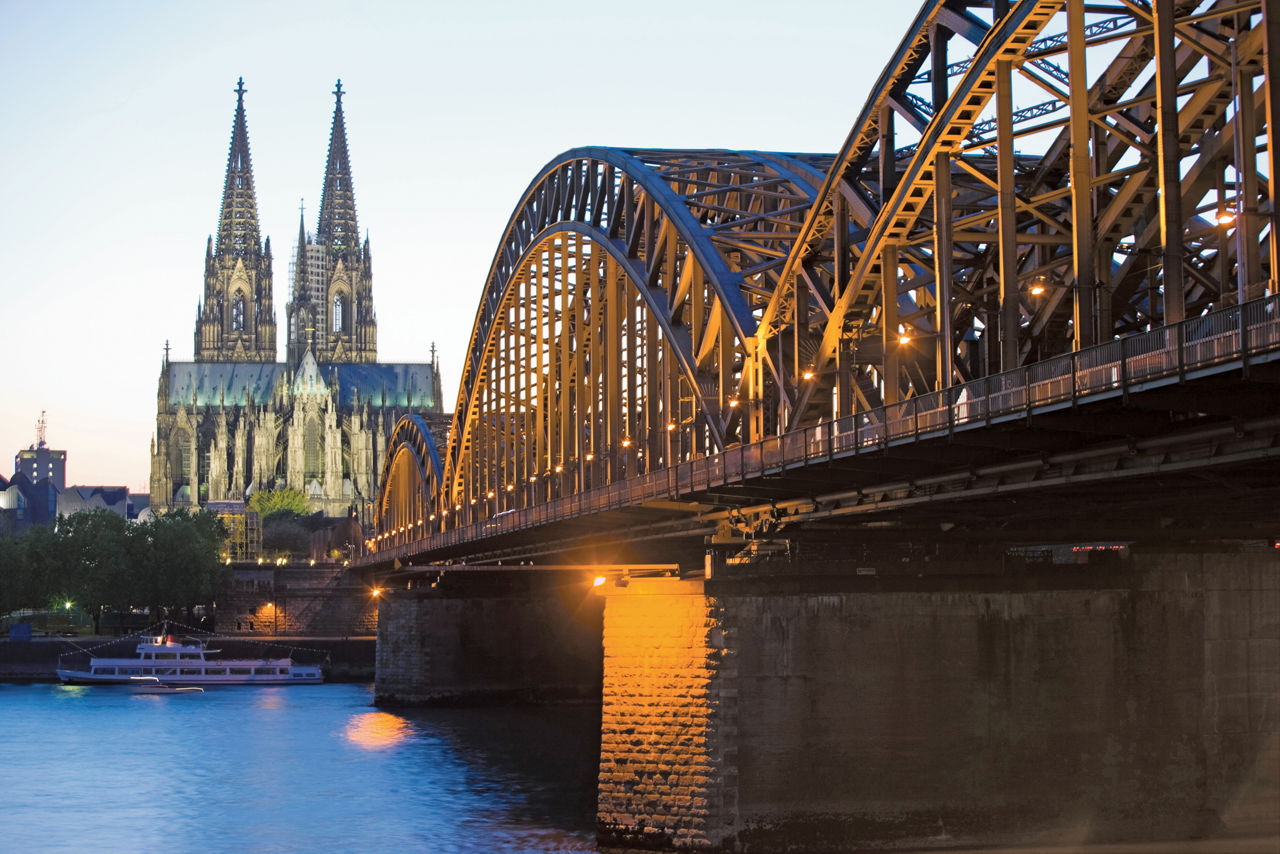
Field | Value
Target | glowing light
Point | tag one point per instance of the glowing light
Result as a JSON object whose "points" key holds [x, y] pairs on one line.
{"points": [[904, 338], [559, 469], [377, 591], [808, 375], [67, 606], [1226, 216], [511, 487], [432, 517], [590, 457], [259, 561], [313, 561], [1037, 289], [598, 581], [626, 442], [670, 426], [733, 401]]}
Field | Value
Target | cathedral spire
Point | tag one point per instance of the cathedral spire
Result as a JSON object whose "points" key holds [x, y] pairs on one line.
{"points": [[238, 226], [338, 229], [300, 270]]}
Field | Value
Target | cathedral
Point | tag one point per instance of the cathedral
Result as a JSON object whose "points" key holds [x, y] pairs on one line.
{"points": [[234, 420]]}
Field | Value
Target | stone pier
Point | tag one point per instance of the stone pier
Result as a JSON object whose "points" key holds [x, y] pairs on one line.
{"points": [[488, 637], [1064, 705]]}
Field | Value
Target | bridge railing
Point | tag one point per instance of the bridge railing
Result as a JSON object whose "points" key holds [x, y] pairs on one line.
{"points": [[1226, 336]]}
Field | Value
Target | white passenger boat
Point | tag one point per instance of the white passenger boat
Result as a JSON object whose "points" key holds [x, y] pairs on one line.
{"points": [[190, 662]]}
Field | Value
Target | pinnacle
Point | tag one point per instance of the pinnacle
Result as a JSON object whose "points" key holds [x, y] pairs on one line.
{"points": [[238, 224], [338, 229]]}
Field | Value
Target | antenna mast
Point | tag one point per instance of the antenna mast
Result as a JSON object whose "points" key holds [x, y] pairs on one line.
{"points": [[40, 429]]}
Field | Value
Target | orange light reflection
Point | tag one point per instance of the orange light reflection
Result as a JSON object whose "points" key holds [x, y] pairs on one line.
{"points": [[376, 730]]}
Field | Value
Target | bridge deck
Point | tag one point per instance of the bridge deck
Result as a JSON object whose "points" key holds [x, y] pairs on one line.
{"points": [[1151, 403]]}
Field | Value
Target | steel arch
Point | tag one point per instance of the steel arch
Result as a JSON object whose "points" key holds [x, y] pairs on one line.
{"points": [[954, 236], [1066, 240], [699, 236], [411, 478]]}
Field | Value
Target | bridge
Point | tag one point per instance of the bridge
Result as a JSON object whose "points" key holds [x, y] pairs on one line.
{"points": [[1030, 305]]}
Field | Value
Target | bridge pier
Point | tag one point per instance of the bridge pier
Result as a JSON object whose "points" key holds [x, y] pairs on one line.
{"points": [[915, 707], [488, 637]]}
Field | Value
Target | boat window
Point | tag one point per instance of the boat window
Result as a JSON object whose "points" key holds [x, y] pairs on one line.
{"points": [[264, 671], [165, 655], [189, 671], [215, 671], [241, 671], [297, 675], [190, 655], [149, 671], [130, 671], [105, 671], [166, 671]]}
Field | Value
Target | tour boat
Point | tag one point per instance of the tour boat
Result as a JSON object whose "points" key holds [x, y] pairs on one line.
{"points": [[189, 662]]}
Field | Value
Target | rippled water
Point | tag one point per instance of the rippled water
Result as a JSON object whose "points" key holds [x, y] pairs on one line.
{"points": [[297, 769]]}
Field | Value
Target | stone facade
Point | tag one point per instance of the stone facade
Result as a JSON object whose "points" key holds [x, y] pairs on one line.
{"points": [[235, 421], [298, 601]]}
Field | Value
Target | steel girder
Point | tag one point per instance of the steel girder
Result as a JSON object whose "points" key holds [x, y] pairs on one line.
{"points": [[1060, 224], [615, 323]]}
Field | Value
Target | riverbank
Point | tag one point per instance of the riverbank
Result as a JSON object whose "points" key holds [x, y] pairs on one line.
{"points": [[349, 659]]}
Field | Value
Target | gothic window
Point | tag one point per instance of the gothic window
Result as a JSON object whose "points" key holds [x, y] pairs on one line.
{"points": [[341, 314], [312, 451], [237, 312]]}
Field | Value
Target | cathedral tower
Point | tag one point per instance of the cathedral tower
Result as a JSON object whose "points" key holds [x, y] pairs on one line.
{"points": [[236, 321], [331, 312]]}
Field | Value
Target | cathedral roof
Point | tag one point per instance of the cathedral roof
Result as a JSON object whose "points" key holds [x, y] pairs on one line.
{"points": [[338, 228], [238, 224], [236, 383]]}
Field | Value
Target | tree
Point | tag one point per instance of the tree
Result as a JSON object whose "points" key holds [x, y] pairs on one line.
{"points": [[273, 501], [179, 564], [100, 561]]}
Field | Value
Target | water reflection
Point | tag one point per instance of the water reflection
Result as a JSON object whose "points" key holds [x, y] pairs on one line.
{"points": [[377, 730], [290, 770]]}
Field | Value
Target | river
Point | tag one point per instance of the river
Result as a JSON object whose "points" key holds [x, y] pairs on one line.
{"points": [[289, 769]]}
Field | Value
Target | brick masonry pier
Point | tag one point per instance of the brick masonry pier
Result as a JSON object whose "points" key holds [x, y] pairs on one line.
{"points": [[1136, 700]]}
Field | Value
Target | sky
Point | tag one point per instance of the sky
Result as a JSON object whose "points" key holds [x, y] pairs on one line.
{"points": [[117, 121]]}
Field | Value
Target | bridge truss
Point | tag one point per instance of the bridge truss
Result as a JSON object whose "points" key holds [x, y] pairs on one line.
{"points": [[1026, 180]]}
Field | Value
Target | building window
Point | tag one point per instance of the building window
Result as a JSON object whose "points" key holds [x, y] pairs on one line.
{"points": [[339, 310], [237, 312]]}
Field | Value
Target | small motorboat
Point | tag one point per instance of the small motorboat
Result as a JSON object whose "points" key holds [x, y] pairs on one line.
{"points": [[152, 685]]}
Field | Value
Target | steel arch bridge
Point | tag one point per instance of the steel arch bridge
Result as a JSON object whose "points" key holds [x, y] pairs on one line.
{"points": [[1026, 180]]}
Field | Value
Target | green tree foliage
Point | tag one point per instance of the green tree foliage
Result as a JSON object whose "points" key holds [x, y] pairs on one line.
{"points": [[273, 501], [99, 560]]}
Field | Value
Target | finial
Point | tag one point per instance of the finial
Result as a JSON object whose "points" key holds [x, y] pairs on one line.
{"points": [[240, 90], [301, 208], [338, 91], [166, 351]]}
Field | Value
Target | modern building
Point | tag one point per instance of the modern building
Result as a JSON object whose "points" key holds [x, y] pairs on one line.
{"points": [[234, 420]]}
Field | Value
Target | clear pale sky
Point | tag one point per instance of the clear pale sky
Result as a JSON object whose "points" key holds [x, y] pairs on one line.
{"points": [[117, 120]]}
